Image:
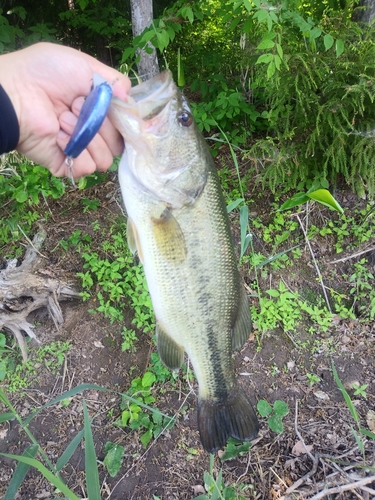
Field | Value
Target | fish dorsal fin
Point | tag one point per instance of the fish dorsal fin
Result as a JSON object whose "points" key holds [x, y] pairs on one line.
{"points": [[171, 354], [133, 239], [168, 235], [242, 326]]}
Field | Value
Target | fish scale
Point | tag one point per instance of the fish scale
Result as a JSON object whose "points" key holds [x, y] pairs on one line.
{"points": [[179, 226]]}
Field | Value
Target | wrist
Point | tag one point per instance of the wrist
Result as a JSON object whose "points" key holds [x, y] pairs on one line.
{"points": [[10, 98]]}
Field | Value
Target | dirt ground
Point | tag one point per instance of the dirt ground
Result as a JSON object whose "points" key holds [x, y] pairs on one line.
{"points": [[270, 366]]}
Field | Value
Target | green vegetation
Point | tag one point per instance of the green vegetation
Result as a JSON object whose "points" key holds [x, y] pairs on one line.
{"points": [[45, 466], [275, 414], [360, 433], [133, 415], [17, 376], [217, 489]]}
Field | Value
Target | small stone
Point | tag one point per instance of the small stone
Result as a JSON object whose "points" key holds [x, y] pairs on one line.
{"points": [[321, 395], [290, 365]]}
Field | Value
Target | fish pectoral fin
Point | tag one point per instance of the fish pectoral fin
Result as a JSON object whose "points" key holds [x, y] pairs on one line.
{"points": [[133, 239], [171, 353], [168, 235], [218, 420], [243, 324]]}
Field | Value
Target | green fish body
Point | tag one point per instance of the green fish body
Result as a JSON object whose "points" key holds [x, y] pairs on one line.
{"points": [[179, 227]]}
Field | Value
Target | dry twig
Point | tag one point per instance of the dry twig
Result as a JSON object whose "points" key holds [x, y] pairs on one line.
{"points": [[353, 256], [344, 487], [315, 459]]}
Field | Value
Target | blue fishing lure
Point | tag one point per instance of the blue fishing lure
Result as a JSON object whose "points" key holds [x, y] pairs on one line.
{"points": [[90, 119]]}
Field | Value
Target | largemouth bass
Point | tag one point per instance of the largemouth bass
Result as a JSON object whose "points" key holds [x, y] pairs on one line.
{"points": [[179, 227]]}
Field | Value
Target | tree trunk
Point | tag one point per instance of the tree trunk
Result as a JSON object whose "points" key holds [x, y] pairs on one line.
{"points": [[142, 16], [366, 13]]}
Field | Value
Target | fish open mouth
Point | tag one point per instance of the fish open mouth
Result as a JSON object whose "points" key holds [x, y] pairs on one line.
{"points": [[150, 98]]}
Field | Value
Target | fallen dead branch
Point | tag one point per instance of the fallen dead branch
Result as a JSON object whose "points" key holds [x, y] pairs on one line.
{"points": [[28, 287], [353, 256], [345, 487]]}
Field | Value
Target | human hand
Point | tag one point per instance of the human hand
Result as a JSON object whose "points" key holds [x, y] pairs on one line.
{"points": [[47, 84]]}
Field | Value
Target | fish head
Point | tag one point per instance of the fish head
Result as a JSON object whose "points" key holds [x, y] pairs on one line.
{"points": [[164, 149]]}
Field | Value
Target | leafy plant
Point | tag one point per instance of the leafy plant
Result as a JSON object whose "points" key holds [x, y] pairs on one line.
{"points": [[362, 290], [117, 277], [128, 339], [217, 489], [312, 378], [22, 187], [133, 414], [275, 414], [234, 449], [113, 457], [316, 125], [360, 390], [281, 311]]}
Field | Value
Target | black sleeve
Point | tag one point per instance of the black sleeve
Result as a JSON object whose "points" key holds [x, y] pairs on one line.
{"points": [[9, 128]]}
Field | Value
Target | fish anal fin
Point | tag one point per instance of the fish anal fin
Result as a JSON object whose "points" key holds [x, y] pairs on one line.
{"points": [[219, 420], [133, 239], [242, 326], [169, 237], [171, 353]]}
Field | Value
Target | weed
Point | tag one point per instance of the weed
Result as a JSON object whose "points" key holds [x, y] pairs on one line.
{"points": [[52, 471], [279, 312], [113, 457], [128, 339], [89, 204], [312, 378], [275, 414], [360, 390], [234, 449], [360, 432], [134, 416], [217, 489], [362, 290], [53, 355], [117, 276], [19, 376]]}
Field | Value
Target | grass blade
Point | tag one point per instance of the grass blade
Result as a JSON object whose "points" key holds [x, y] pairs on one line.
{"points": [[84, 387], [367, 433], [344, 392], [70, 449], [20, 473], [358, 439], [244, 222], [91, 465], [46, 473], [6, 401], [234, 204], [274, 257], [4, 417], [67, 394]]}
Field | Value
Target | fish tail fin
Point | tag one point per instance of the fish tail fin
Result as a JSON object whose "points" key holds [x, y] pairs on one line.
{"points": [[218, 420]]}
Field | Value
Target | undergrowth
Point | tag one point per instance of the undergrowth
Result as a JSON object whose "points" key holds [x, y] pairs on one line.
{"points": [[320, 114]]}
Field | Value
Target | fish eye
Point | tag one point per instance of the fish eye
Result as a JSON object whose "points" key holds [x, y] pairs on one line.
{"points": [[185, 119]]}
